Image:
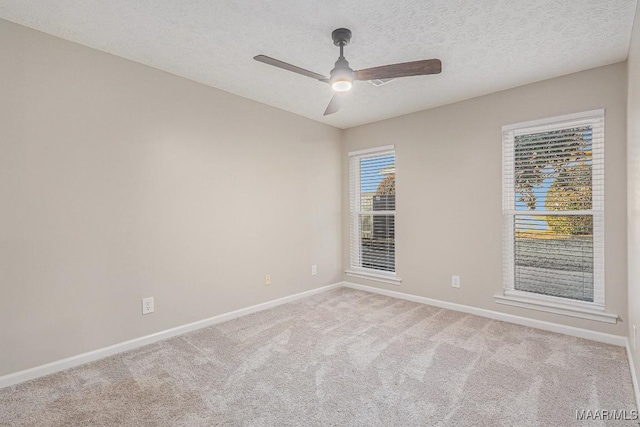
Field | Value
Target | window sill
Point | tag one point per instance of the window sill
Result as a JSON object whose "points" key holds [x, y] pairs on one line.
{"points": [[533, 303], [378, 277]]}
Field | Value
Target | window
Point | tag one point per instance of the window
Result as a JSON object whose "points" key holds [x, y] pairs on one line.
{"points": [[553, 210], [372, 190]]}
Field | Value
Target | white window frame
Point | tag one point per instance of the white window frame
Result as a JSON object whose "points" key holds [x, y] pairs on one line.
{"points": [[558, 305], [355, 270]]}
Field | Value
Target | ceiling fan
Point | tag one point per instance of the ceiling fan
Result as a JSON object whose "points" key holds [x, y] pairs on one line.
{"points": [[342, 76]]}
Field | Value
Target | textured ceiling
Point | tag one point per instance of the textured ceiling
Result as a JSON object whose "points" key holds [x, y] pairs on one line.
{"points": [[485, 45]]}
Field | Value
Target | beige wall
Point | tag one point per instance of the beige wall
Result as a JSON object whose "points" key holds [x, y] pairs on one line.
{"points": [[118, 181], [449, 195], [633, 165]]}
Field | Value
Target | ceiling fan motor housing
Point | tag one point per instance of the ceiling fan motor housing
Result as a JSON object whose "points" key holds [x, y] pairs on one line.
{"points": [[342, 73], [342, 67]]}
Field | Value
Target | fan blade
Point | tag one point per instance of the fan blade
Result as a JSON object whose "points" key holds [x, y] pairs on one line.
{"points": [[335, 103], [405, 69], [288, 67]]}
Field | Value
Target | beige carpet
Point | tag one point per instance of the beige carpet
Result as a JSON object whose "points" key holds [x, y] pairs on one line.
{"points": [[343, 357]]}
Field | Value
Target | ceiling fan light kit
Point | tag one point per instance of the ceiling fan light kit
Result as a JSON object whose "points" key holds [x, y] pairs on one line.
{"points": [[342, 76], [342, 85]]}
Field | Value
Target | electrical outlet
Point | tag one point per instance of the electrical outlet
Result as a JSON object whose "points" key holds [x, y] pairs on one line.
{"points": [[147, 305], [267, 280], [314, 270], [455, 281], [635, 343]]}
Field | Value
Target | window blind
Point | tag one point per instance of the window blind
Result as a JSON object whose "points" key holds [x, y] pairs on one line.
{"points": [[553, 207], [372, 209]]}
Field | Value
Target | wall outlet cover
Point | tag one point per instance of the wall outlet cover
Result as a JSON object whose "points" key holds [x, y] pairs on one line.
{"points": [[147, 305], [455, 281]]}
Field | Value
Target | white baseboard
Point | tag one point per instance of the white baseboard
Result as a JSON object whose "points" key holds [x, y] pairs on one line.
{"points": [[518, 320], [70, 362], [634, 378]]}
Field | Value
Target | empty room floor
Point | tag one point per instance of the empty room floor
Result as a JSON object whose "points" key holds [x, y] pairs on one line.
{"points": [[342, 357]]}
